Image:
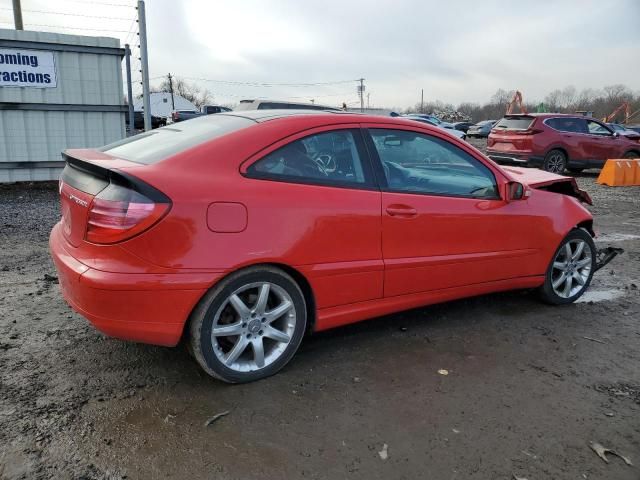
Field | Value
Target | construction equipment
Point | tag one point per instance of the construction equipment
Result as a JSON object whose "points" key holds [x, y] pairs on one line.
{"points": [[623, 106], [517, 99]]}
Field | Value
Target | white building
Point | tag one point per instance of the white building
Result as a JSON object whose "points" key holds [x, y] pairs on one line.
{"points": [[161, 104]]}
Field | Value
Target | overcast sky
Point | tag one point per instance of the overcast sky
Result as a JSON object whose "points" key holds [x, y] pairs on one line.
{"points": [[456, 51]]}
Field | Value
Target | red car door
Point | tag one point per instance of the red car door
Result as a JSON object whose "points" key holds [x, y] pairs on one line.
{"points": [[443, 222], [313, 196]]}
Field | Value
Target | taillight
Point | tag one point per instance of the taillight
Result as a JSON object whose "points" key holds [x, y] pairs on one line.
{"points": [[530, 131], [119, 213]]}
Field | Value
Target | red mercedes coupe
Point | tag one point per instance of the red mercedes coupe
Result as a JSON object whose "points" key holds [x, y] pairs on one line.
{"points": [[243, 231]]}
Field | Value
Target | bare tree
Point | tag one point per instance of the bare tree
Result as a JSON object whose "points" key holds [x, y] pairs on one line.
{"points": [[568, 96], [190, 91]]}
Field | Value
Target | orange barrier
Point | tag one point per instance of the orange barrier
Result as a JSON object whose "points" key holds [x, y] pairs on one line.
{"points": [[620, 172]]}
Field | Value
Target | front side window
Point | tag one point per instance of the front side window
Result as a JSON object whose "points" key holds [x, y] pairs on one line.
{"points": [[420, 163], [328, 157], [595, 128]]}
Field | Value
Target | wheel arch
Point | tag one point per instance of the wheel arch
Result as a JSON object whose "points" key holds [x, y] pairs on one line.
{"points": [[558, 147], [297, 276], [632, 150], [588, 226]]}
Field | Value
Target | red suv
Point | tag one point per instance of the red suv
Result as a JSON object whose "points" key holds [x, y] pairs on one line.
{"points": [[555, 141]]}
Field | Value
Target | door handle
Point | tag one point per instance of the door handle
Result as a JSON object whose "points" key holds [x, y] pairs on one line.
{"points": [[401, 211]]}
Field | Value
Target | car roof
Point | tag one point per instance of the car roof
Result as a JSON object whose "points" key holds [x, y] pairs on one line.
{"points": [[260, 116], [549, 115]]}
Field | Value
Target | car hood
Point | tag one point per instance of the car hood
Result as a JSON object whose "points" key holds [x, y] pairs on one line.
{"points": [[542, 180]]}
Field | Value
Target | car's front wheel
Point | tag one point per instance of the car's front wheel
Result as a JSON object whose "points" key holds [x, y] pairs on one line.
{"points": [[571, 270], [249, 326], [555, 161]]}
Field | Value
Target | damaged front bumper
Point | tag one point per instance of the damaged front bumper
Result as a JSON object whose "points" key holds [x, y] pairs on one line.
{"points": [[605, 255]]}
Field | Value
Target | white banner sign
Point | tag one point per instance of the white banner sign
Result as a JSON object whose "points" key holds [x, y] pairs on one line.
{"points": [[27, 68]]}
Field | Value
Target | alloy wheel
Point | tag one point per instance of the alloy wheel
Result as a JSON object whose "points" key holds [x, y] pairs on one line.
{"points": [[253, 326], [571, 268], [555, 163]]}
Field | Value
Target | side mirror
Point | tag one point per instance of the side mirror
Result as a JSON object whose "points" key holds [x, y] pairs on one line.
{"points": [[616, 134], [516, 191]]}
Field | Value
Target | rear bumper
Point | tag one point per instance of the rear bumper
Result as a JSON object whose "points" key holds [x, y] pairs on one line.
{"points": [[142, 307], [513, 158]]}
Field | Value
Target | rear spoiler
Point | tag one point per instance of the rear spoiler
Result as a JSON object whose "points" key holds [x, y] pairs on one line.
{"points": [[92, 177]]}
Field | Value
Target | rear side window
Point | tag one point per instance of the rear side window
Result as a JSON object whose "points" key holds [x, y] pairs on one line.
{"points": [[152, 147], [331, 158], [515, 123], [575, 125]]}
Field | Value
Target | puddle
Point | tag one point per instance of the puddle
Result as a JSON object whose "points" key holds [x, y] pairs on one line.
{"points": [[599, 295], [616, 237]]}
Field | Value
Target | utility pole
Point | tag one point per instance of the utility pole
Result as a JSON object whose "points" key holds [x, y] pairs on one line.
{"points": [[173, 103], [132, 122], [422, 101], [17, 15], [144, 62], [361, 92]]}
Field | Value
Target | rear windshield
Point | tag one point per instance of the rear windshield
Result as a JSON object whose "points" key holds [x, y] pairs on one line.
{"points": [[515, 123], [156, 145], [289, 106]]}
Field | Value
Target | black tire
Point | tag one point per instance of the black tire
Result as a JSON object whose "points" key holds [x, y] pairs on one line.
{"points": [[632, 155], [202, 320], [547, 291], [575, 169], [555, 161]]}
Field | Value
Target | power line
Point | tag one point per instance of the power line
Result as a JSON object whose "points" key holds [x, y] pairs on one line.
{"points": [[50, 12], [70, 28], [264, 84], [84, 2]]}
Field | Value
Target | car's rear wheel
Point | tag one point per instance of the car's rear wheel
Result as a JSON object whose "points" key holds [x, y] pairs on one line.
{"points": [[571, 269], [632, 155], [555, 161], [249, 326]]}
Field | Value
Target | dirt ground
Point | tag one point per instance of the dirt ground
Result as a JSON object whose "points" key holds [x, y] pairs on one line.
{"points": [[528, 385]]}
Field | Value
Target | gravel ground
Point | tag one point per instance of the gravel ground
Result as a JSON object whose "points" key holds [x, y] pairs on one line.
{"points": [[528, 385]]}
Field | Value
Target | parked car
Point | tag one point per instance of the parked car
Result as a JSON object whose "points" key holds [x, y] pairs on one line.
{"points": [[243, 232], [451, 130], [432, 119], [279, 105], [463, 126], [138, 120], [555, 142], [481, 129], [621, 129], [181, 115]]}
